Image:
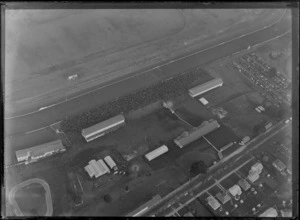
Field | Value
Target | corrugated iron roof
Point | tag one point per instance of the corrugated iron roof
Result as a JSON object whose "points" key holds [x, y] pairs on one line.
{"points": [[205, 128], [198, 90], [41, 149]]}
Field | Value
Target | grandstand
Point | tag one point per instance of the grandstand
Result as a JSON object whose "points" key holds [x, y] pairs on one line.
{"points": [[205, 87]]}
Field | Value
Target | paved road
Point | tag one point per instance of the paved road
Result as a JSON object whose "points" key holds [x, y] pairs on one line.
{"points": [[194, 184], [59, 112]]}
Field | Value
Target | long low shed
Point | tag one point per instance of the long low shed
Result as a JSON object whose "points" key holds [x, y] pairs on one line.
{"points": [[110, 162], [205, 87], [157, 152], [102, 128], [205, 128], [40, 151]]}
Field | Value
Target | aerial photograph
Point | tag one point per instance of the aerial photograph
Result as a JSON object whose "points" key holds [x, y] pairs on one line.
{"points": [[155, 112]]}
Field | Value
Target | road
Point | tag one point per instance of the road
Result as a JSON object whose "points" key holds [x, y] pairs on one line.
{"points": [[194, 184], [74, 106]]}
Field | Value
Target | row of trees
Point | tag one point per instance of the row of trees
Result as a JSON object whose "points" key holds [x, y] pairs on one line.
{"points": [[165, 90]]}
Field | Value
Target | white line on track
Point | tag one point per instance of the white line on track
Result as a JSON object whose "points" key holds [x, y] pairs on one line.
{"points": [[29, 132], [29, 113]]}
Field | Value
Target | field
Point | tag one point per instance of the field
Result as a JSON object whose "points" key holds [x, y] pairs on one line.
{"points": [[50, 45], [283, 63]]}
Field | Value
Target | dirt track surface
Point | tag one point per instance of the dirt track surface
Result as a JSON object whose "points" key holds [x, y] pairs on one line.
{"points": [[46, 187], [51, 115], [100, 46]]}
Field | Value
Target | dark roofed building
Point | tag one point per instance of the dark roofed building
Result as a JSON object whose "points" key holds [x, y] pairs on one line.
{"points": [[205, 128]]}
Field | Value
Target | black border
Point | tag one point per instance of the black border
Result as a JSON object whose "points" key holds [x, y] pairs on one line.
{"points": [[171, 5]]}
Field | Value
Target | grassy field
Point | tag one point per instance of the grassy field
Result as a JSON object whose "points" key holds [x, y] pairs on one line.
{"points": [[50, 45], [283, 63]]}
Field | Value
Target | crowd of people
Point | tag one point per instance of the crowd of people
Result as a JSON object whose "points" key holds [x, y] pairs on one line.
{"points": [[164, 90]]}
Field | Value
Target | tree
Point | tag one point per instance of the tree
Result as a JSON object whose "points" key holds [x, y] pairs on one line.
{"points": [[259, 129], [198, 167], [107, 198]]}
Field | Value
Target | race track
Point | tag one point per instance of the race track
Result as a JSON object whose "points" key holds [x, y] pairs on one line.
{"points": [[72, 106]]}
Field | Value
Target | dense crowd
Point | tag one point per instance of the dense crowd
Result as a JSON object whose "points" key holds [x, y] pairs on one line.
{"points": [[164, 90]]}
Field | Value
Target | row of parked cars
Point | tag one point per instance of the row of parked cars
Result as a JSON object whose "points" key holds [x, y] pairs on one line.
{"points": [[257, 71]]}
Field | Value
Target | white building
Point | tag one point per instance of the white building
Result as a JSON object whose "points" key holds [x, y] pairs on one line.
{"points": [[253, 176], [41, 151], [103, 128], [235, 190], [203, 101], [213, 203], [96, 168], [257, 167], [110, 162], [157, 152], [205, 87], [271, 212]]}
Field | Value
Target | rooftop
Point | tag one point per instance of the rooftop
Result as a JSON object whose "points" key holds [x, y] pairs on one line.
{"points": [[214, 204], [200, 89], [205, 128], [97, 128], [223, 197], [244, 184], [41, 149]]}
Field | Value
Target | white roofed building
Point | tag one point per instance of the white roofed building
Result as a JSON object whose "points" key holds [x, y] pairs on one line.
{"points": [[205, 87], [253, 176], [96, 168], [35, 153], [235, 190], [270, 212], [203, 101], [90, 170], [257, 167], [213, 203], [157, 152], [102, 128], [103, 166], [110, 162]]}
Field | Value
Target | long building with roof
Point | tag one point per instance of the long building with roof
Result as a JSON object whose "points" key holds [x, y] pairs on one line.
{"points": [[103, 128], [205, 87], [35, 153], [205, 128]]}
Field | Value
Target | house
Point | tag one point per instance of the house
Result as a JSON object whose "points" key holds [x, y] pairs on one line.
{"points": [[213, 203], [279, 165], [223, 197], [244, 184], [235, 190]]}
